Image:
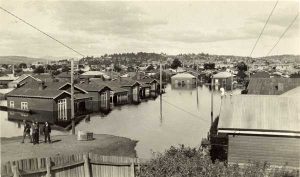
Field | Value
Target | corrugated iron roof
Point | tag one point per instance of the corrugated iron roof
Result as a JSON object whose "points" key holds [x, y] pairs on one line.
{"points": [[260, 112], [272, 86], [221, 75]]}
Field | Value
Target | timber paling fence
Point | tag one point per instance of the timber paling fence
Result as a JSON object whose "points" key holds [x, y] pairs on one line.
{"points": [[79, 165]]}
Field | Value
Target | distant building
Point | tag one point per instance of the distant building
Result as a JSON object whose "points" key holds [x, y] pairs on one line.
{"points": [[271, 86], [223, 80], [261, 128], [94, 74], [4, 80], [183, 79]]}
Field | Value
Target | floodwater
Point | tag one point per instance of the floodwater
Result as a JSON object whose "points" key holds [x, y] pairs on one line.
{"points": [[185, 120]]}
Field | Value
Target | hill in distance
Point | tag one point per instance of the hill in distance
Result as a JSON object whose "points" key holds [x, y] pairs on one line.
{"points": [[19, 59]]}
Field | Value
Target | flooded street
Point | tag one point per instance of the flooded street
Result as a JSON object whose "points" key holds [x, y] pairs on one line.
{"points": [[185, 120]]}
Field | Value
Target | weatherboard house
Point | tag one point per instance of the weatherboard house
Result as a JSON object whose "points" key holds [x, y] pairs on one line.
{"points": [[47, 102], [261, 128], [183, 79]]}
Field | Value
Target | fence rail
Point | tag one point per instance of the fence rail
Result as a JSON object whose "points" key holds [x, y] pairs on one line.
{"points": [[78, 165]]}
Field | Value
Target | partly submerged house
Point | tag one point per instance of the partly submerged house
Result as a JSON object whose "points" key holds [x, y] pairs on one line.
{"points": [[47, 102], [261, 128], [100, 94], [154, 85], [223, 80], [183, 79], [132, 86], [271, 86]]}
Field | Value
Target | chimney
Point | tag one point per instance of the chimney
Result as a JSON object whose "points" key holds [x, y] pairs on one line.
{"points": [[42, 85]]}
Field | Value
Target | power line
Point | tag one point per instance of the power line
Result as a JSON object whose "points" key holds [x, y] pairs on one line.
{"points": [[291, 24], [263, 28], [27, 23], [194, 115]]}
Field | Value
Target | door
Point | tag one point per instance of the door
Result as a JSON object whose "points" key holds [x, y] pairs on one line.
{"points": [[62, 109]]}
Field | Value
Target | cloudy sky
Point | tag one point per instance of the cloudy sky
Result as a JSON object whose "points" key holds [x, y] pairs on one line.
{"points": [[96, 28]]}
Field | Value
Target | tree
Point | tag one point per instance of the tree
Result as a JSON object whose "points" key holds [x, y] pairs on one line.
{"points": [[176, 63], [295, 75], [5, 66], [117, 68], [39, 69], [22, 65], [242, 66], [65, 69], [150, 67], [209, 65], [32, 67]]}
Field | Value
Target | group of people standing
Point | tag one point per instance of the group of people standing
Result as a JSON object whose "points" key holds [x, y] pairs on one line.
{"points": [[33, 132]]}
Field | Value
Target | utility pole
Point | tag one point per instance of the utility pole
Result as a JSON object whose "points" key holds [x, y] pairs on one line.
{"points": [[212, 101], [72, 97], [160, 88]]}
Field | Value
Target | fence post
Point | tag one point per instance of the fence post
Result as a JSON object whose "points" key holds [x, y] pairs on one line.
{"points": [[48, 166], [132, 170], [15, 170], [87, 172]]}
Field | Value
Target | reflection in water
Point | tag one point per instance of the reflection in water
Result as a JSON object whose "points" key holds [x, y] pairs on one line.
{"points": [[185, 123]]}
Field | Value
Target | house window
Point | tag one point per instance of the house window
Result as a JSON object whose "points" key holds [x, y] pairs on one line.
{"points": [[62, 109], [24, 106], [12, 104]]}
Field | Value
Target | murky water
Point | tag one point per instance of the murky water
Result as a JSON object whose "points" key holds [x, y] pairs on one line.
{"points": [[185, 120]]}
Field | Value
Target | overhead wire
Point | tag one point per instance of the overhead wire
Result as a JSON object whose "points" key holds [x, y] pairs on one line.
{"points": [[36, 28], [263, 28], [282, 35]]}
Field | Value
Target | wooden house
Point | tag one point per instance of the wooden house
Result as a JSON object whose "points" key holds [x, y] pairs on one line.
{"points": [[154, 85], [223, 80], [183, 79], [132, 86], [261, 128], [47, 101], [271, 86], [144, 90], [4, 80], [100, 94]]}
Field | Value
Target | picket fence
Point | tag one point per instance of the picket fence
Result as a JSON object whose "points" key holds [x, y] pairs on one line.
{"points": [[79, 165]]}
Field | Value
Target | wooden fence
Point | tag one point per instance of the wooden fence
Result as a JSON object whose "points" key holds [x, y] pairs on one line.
{"points": [[79, 165]]}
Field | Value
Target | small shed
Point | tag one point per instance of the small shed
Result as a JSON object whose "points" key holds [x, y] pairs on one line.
{"points": [[183, 79]]}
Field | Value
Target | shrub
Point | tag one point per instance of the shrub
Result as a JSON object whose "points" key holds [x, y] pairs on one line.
{"points": [[191, 162]]}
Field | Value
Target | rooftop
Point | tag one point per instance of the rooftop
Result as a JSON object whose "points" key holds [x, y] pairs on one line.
{"points": [[222, 75], [272, 86], [184, 75], [260, 113]]}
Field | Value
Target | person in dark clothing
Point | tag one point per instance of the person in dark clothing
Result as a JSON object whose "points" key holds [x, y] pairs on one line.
{"points": [[26, 131], [35, 133], [47, 131]]}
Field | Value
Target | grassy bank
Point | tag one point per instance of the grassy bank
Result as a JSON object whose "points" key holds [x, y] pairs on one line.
{"points": [[13, 149]]}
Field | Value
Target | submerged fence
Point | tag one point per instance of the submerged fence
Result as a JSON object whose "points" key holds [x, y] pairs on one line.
{"points": [[79, 165]]}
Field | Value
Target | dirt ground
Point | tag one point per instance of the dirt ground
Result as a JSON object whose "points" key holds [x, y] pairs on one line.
{"points": [[13, 149]]}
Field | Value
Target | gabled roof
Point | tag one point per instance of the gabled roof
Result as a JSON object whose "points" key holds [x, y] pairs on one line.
{"points": [[184, 75], [271, 86], [222, 75], [36, 93], [262, 114], [23, 77]]}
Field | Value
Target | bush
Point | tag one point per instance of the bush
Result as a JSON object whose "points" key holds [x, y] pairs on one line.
{"points": [[191, 162]]}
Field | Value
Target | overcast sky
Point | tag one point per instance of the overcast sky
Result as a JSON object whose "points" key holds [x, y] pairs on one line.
{"points": [[96, 28]]}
